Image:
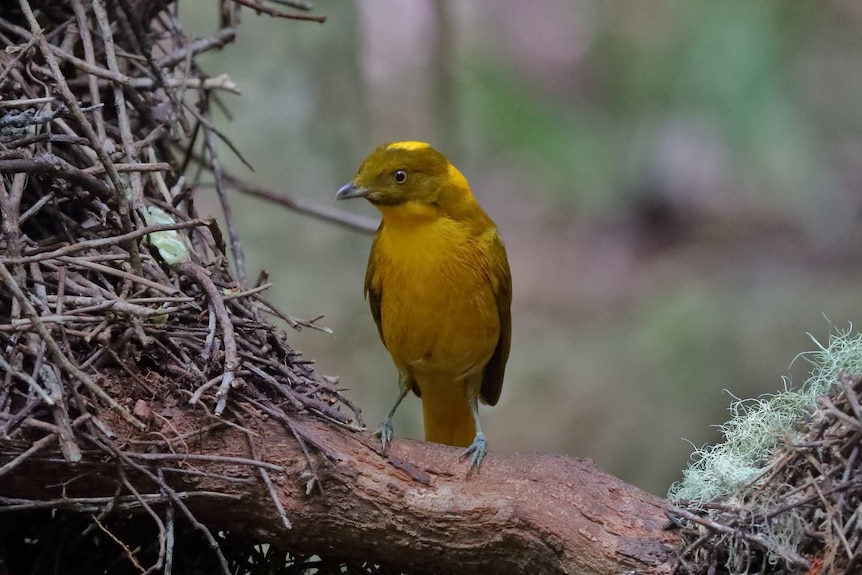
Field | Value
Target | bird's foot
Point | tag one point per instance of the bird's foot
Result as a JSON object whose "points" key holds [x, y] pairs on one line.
{"points": [[476, 452], [384, 432]]}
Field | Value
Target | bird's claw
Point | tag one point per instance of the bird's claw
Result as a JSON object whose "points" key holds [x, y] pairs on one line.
{"points": [[384, 432], [476, 452]]}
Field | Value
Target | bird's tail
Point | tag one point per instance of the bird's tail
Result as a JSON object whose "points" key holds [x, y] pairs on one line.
{"points": [[447, 413]]}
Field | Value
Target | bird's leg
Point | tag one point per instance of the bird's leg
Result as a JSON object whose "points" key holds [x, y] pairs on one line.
{"points": [[479, 447], [384, 430]]}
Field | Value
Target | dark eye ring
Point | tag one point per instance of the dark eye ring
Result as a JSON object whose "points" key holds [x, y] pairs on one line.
{"points": [[400, 176]]}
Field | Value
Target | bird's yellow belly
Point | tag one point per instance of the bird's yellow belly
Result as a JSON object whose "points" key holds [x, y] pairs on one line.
{"points": [[438, 318]]}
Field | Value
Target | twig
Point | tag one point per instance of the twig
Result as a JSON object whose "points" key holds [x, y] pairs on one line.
{"points": [[23, 376], [136, 167], [159, 525], [352, 221], [72, 104], [788, 555], [167, 532], [87, 504], [236, 246], [34, 448], [58, 355], [89, 55], [231, 361], [81, 262], [30, 117], [203, 457], [115, 539], [196, 396], [276, 13], [119, 101], [21, 53], [54, 165], [103, 242], [176, 500], [268, 482], [218, 40], [35, 35]]}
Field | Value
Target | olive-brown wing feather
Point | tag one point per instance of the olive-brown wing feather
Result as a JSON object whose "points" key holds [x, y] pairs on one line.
{"points": [[373, 287], [501, 280]]}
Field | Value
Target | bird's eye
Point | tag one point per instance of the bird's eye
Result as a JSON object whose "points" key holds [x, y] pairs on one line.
{"points": [[400, 176]]}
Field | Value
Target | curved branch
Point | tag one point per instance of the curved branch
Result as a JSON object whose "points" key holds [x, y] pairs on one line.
{"points": [[414, 510]]}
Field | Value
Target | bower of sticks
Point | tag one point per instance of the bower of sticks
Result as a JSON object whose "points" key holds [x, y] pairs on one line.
{"points": [[802, 514], [120, 312]]}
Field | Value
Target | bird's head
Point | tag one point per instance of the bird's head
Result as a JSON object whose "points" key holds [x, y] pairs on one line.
{"points": [[410, 177]]}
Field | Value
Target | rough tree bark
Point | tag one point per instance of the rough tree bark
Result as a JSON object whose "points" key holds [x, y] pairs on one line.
{"points": [[524, 513]]}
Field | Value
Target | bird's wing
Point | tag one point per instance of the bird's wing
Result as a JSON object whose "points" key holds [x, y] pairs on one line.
{"points": [[501, 280], [373, 286]]}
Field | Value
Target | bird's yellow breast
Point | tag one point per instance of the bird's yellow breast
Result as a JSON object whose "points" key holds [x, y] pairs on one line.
{"points": [[438, 308]]}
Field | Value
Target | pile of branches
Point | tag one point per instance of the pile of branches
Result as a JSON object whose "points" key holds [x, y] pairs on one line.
{"points": [[802, 514], [117, 300]]}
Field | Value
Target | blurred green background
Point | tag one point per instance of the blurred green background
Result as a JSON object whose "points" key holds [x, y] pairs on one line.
{"points": [[678, 182]]}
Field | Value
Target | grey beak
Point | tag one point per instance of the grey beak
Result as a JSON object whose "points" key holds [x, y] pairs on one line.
{"points": [[348, 191]]}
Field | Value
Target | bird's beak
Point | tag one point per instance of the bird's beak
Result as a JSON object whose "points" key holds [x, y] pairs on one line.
{"points": [[349, 191]]}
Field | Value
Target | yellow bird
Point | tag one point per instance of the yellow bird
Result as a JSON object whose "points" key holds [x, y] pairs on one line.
{"points": [[440, 290]]}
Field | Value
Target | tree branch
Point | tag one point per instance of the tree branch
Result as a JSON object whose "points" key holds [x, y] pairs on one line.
{"points": [[413, 510]]}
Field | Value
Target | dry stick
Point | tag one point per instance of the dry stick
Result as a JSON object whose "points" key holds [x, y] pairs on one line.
{"points": [[203, 457], [209, 350], [220, 39], [133, 28], [10, 208], [55, 165], [304, 401], [40, 203], [119, 100], [236, 246], [789, 555], [847, 385], [35, 447], [248, 292], [68, 446], [72, 103], [276, 13], [108, 446], [220, 82], [102, 242], [84, 263], [89, 55], [128, 552], [26, 102], [219, 476], [30, 43], [231, 360], [58, 52], [34, 423], [168, 531], [293, 4], [134, 168], [58, 355], [267, 481], [85, 504], [196, 396], [830, 408], [124, 306], [353, 221], [146, 506], [207, 123], [168, 440]]}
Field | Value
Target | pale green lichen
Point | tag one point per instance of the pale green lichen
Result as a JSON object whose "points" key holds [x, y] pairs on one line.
{"points": [[756, 426], [169, 243]]}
